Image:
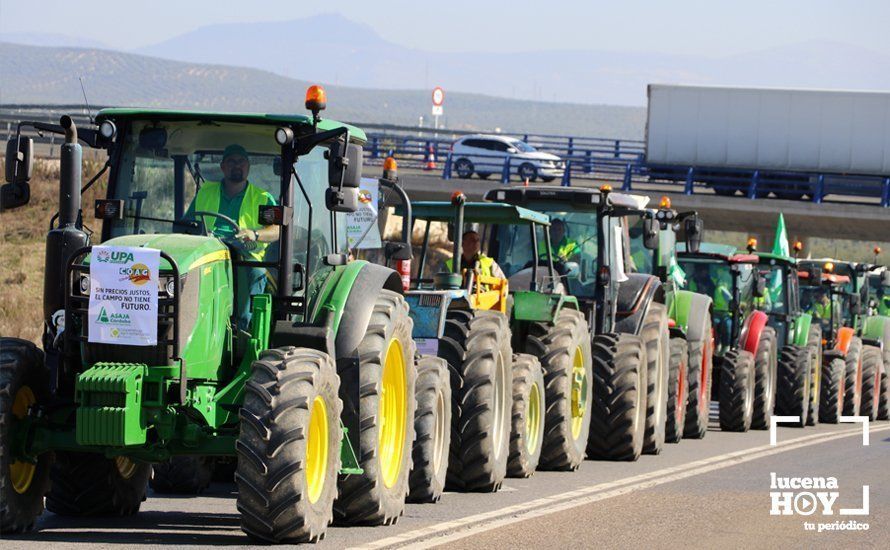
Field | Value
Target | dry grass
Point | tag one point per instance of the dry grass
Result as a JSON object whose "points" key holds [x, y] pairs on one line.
{"points": [[22, 237]]}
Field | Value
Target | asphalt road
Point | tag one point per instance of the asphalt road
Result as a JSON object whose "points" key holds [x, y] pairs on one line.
{"points": [[709, 493]]}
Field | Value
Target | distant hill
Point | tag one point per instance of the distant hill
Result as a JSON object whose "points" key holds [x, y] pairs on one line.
{"points": [[32, 74]]}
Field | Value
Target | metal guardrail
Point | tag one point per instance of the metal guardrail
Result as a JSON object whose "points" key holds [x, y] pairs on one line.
{"points": [[617, 161]]}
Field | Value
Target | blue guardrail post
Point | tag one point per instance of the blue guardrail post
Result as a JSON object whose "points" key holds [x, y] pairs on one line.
{"points": [[690, 178], [752, 188], [820, 189], [567, 174], [446, 171], [627, 177], [885, 193], [505, 174], [588, 162]]}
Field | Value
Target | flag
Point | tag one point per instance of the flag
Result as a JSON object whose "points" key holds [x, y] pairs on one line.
{"points": [[780, 243]]}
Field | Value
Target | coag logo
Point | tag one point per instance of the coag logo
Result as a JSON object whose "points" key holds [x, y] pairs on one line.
{"points": [[364, 196], [138, 274]]}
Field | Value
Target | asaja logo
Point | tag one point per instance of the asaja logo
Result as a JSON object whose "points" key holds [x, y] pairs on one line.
{"points": [[364, 196], [138, 274], [113, 319]]}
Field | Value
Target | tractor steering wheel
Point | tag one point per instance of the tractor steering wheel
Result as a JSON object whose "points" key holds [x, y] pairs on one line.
{"points": [[222, 217]]}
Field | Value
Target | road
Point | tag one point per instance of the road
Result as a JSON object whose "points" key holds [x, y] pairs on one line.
{"points": [[709, 493]]}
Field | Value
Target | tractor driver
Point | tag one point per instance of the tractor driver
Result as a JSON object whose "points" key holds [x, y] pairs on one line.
{"points": [[240, 200], [473, 257]]}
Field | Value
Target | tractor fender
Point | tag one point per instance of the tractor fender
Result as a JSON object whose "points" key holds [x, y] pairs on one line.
{"points": [[356, 310], [802, 330], [844, 337], [876, 331], [634, 296], [691, 310], [749, 338]]}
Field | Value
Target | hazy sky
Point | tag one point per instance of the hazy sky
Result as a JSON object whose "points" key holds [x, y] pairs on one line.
{"points": [[670, 26]]}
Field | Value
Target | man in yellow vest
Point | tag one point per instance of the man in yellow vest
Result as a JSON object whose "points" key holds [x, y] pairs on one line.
{"points": [[563, 247], [240, 200], [472, 257]]}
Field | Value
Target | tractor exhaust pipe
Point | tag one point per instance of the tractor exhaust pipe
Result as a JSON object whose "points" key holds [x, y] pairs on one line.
{"points": [[70, 172]]}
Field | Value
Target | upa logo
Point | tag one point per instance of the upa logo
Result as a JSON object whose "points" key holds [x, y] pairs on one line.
{"points": [[114, 256], [138, 274]]}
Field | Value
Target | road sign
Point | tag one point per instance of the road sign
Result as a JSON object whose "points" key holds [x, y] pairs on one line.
{"points": [[438, 110], [438, 96]]}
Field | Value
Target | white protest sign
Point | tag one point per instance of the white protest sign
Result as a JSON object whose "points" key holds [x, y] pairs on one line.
{"points": [[361, 225], [124, 295]]}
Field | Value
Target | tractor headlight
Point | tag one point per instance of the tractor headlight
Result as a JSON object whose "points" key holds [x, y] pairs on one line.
{"points": [[107, 130], [84, 284], [171, 287]]}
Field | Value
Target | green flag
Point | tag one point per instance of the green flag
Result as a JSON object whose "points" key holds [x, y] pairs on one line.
{"points": [[780, 243]]}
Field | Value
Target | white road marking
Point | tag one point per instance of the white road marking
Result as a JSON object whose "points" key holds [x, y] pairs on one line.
{"points": [[434, 535], [863, 420], [775, 420]]}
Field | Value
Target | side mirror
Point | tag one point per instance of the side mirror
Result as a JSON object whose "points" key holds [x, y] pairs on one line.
{"points": [[345, 200], [19, 164], [650, 233], [759, 287], [344, 165], [694, 228], [13, 195], [573, 270], [885, 278]]}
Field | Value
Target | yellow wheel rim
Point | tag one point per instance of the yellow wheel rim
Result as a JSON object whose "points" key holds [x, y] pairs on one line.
{"points": [[22, 473], [579, 392], [392, 414], [125, 466], [317, 449], [533, 419]]}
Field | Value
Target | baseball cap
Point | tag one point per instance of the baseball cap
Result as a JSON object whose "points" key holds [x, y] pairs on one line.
{"points": [[234, 149]]}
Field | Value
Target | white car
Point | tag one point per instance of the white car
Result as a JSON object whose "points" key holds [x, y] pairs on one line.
{"points": [[486, 154]]}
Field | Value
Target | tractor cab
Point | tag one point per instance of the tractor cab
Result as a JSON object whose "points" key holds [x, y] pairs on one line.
{"points": [[826, 297]]}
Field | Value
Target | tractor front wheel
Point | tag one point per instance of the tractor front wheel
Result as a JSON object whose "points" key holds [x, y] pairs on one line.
{"points": [[432, 426], [87, 484], [678, 390], [24, 381], [814, 346], [765, 367], [793, 390], [871, 382], [182, 475], [736, 391], [698, 406], [289, 446], [529, 404], [656, 338], [853, 378], [384, 380], [831, 395]]}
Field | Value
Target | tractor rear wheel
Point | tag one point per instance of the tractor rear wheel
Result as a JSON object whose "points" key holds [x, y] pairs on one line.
{"points": [[563, 348], [698, 406], [87, 484], [853, 378], [871, 382], [182, 475], [884, 405], [476, 345], [618, 417], [656, 338], [432, 428], [678, 387], [814, 346], [736, 391], [24, 381], [289, 446], [529, 404], [793, 388], [831, 396], [765, 367], [384, 378]]}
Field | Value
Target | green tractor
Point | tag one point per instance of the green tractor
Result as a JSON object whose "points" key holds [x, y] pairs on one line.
{"points": [[689, 314], [855, 364], [625, 312], [745, 346], [798, 370], [190, 332]]}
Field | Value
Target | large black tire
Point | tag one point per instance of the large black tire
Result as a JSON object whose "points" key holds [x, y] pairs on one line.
{"points": [[871, 382], [476, 345], [678, 391], [286, 389], [529, 404], [87, 484], [224, 469], [656, 338], [884, 405], [463, 168], [831, 396], [561, 346], [377, 496], [182, 475], [765, 367], [793, 384], [23, 376], [853, 378], [698, 405], [814, 346], [736, 390], [618, 419], [432, 429]]}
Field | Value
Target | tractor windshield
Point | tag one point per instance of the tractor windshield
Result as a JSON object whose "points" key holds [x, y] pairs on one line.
{"points": [[829, 309], [163, 164]]}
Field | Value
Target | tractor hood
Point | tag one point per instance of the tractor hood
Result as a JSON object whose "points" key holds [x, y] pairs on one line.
{"points": [[188, 251]]}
